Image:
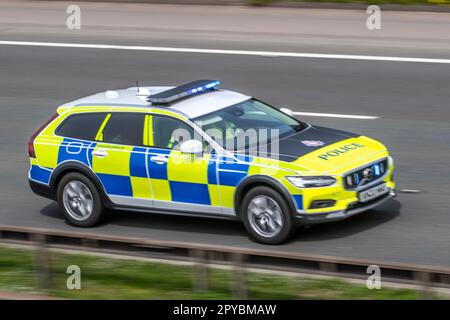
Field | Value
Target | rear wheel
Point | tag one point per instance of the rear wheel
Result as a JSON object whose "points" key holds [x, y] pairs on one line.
{"points": [[266, 216], [80, 200]]}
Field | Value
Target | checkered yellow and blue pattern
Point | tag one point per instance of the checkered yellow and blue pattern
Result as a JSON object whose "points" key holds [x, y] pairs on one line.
{"points": [[130, 172]]}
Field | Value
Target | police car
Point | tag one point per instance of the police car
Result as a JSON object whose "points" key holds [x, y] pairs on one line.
{"points": [[201, 151]]}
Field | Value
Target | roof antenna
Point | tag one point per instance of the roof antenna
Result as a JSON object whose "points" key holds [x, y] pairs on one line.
{"points": [[142, 93]]}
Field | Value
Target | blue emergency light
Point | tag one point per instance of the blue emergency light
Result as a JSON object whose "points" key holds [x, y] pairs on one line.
{"points": [[183, 91], [377, 169]]}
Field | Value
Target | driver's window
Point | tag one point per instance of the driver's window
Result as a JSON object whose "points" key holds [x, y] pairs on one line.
{"points": [[169, 133]]}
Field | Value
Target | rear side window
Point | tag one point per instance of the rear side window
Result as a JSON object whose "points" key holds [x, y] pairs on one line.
{"points": [[81, 126], [124, 128]]}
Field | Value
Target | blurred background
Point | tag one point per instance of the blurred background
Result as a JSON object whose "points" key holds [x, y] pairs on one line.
{"points": [[384, 74]]}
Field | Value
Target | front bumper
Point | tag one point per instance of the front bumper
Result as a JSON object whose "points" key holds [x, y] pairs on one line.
{"points": [[353, 209]]}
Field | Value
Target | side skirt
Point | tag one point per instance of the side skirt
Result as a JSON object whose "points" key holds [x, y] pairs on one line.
{"points": [[169, 207], [175, 212]]}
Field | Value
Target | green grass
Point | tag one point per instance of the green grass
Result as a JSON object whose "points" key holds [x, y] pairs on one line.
{"points": [[378, 2], [107, 278]]}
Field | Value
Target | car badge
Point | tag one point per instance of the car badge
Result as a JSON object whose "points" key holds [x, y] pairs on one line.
{"points": [[367, 173], [313, 143]]}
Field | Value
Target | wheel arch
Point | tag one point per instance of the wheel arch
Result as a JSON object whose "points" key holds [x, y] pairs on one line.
{"points": [[260, 180], [74, 166]]}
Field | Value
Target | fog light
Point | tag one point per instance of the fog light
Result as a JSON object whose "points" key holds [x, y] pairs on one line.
{"points": [[318, 204]]}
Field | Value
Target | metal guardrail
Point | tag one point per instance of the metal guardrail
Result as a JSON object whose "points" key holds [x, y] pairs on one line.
{"points": [[239, 258]]}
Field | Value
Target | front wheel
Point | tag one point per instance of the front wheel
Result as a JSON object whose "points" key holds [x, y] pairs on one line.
{"points": [[266, 216], [80, 200]]}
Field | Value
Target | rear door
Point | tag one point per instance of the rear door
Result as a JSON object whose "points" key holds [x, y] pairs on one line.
{"points": [[119, 159]]}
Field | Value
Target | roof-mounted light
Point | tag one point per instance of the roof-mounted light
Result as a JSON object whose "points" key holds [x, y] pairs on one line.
{"points": [[183, 91]]}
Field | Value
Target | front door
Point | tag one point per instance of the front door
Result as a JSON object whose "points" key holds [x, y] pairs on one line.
{"points": [[180, 181]]}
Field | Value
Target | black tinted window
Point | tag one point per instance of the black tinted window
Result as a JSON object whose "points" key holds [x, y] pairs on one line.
{"points": [[124, 128], [81, 126]]}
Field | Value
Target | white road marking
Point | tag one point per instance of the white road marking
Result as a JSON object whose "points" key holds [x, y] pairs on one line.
{"points": [[220, 51], [409, 191], [333, 115]]}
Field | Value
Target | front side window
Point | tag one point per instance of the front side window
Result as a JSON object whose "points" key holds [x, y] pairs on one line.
{"points": [[169, 133], [81, 126], [124, 128]]}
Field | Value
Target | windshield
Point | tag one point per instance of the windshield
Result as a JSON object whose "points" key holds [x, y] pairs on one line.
{"points": [[248, 124]]}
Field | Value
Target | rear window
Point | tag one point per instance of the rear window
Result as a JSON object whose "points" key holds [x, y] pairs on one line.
{"points": [[81, 126], [125, 128]]}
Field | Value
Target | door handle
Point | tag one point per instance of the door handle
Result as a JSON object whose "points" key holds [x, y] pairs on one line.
{"points": [[159, 159], [100, 153]]}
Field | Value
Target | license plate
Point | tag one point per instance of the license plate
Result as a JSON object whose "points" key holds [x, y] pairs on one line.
{"points": [[373, 192]]}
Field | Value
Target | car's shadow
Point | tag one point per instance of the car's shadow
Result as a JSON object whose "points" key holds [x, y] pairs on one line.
{"points": [[161, 222]]}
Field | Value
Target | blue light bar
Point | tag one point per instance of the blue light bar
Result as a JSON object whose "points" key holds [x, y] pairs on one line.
{"points": [[183, 91]]}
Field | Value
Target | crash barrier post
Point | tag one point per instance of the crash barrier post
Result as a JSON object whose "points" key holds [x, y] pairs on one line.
{"points": [[239, 277], [199, 270], [42, 263]]}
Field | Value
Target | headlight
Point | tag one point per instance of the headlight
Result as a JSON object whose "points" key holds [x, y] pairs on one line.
{"points": [[311, 182]]}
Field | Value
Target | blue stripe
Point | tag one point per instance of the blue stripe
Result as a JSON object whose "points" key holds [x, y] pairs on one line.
{"points": [[116, 185], [232, 164], [229, 178], [39, 174], [89, 152], [156, 170], [190, 192], [212, 167], [298, 199], [237, 171], [159, 151], [137, 162], [73, 149]]}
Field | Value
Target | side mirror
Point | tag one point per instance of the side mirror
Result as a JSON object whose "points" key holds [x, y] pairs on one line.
{"points": [[191, 147], [287, 111]]}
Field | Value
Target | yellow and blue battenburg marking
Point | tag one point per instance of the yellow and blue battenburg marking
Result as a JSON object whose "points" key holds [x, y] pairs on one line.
{"points": [[68, 150], [76, 150], [211, 180], [231, 171], [298, 200], [40, 174]]}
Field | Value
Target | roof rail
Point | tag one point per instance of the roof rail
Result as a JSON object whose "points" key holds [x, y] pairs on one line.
{"points": [[183, 91]]}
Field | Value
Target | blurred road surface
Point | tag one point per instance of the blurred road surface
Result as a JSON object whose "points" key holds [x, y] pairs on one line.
{"points": [[415, 34]]}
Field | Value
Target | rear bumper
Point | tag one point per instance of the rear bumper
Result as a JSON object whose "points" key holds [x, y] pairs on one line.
{"points": [[42, 190], [353, 209]]}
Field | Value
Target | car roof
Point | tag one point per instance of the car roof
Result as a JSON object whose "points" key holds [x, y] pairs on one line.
{"points": [[191, 107]]}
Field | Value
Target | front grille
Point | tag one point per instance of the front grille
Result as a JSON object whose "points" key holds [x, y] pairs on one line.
{"points": [[366, 175]]}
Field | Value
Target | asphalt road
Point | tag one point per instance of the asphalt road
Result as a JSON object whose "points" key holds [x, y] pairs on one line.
{"points": [[411, 99], [231, 27]]}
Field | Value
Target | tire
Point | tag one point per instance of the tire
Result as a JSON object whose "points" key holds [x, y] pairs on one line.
{"points": [[259, 223], [80, 200]]}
